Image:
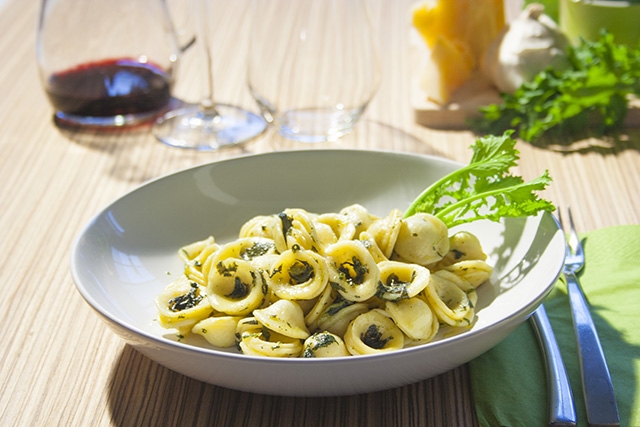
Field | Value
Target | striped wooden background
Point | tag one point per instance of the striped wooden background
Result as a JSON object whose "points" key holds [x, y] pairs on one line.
{"points": [[60, 365]]}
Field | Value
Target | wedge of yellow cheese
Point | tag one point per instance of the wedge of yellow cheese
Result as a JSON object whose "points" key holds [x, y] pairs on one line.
{"points": [[451, 66], [457, 33]]}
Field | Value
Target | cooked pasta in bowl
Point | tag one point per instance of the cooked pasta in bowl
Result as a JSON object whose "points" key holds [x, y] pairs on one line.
{"points": [[195, 271], [298, 284]]}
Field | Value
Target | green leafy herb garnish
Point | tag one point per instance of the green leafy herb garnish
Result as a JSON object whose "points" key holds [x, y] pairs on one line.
{"points": [[593, 93], [484, 189]]}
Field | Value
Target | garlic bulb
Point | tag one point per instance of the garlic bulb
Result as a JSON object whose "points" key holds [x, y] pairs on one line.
{"points": [[526, 46]]}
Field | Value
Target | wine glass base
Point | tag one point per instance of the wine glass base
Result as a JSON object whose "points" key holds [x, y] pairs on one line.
{"points": [[319, 124], [189, 127], [120, 121]]}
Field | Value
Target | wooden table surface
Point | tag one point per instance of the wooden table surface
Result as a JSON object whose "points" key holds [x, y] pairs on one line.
{"points": [[61, 365]]}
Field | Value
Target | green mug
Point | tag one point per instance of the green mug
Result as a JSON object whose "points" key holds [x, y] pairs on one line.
{"points": [[586, 18]]}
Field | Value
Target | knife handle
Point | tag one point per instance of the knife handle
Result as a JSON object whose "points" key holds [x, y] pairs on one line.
{"points": [[599, 397], [562, 411]]}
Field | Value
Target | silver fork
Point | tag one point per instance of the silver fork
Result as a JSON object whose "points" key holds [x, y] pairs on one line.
{"points": [[599, 397]]}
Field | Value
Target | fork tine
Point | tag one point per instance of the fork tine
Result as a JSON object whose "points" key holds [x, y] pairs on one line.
{"points": [[574, 240], [567, 247], [560, 221], [562, 228]]}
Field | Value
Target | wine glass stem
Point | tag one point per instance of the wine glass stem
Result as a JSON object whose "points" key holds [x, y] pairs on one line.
{"points": [[207, 103]]}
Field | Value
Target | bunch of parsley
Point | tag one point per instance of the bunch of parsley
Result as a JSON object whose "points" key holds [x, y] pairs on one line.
{"points": [[593, 93], [485, 188]]}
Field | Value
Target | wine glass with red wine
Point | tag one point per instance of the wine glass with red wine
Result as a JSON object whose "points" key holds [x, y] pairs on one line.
{"points": [[106, 64], [207, 125]]}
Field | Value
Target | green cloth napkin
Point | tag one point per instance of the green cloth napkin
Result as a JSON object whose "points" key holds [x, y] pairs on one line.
{"points": [[509, 381]]}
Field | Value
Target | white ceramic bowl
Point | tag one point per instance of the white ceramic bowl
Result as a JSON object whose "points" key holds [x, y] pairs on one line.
{"points": [[128, 253]]}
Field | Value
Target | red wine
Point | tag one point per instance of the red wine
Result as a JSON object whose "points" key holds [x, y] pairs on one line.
{"points": [[109, 88]]}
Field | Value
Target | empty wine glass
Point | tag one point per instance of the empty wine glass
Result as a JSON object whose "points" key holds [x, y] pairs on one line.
{"points": [[207, 125], [313, 66]]}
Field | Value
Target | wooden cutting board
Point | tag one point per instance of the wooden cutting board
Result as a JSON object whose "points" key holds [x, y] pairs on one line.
{"points": [[465, 101], [464, 104]]}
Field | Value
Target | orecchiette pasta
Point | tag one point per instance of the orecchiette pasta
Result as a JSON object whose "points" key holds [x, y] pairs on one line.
{"points": [[339, 225], [218, 331], [235, 287], [452, 298], [324, 344], [247, 248], [285, 317], [298, 274], [299, 284], [321, 303], [182, 304], [270, 345], [373, 332], [296, 228], [259, 226], [475, 272], [359, 217], [336, 317], [354, 273], [195, 257], [423, 239], [399, 280], [414, 317], [370, 244], [384, 231], [463, 246]]}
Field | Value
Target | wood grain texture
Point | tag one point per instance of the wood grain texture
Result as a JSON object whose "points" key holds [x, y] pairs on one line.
{"points": [[60, 365]]}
